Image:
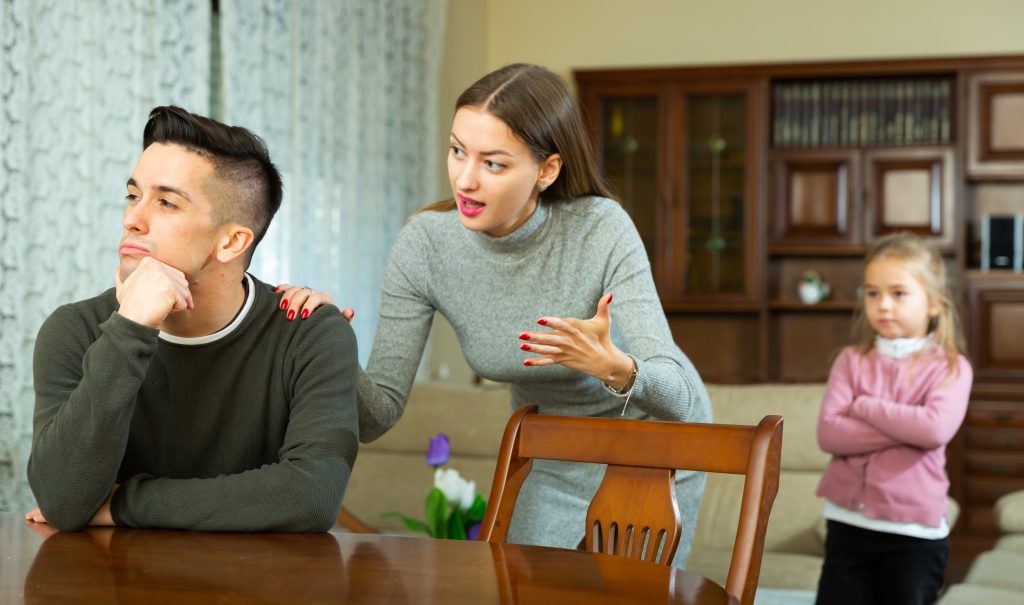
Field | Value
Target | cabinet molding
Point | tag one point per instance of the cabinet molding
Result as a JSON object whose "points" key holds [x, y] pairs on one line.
{"points": [[995, 145], [911, 190], [816, 198]]}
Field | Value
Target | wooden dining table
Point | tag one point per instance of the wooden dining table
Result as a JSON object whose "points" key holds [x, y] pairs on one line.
{"points": [[120, 565]]}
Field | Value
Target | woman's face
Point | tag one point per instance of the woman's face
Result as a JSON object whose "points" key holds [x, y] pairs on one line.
{"points": [[494, 176]]}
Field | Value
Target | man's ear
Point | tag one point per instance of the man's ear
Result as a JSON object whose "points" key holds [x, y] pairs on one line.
{"points": [[233, 242]]}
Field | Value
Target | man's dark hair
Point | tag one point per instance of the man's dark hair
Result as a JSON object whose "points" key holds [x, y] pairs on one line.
{"points": [[239, 157]]}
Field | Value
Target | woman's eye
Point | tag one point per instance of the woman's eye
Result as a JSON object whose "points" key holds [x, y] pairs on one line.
{"points": [[457, 152], [167, 203], [493, 165], [131, 198]]}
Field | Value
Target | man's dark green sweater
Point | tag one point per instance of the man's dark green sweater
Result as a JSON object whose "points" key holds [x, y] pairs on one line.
{"points": [[253, 428]]}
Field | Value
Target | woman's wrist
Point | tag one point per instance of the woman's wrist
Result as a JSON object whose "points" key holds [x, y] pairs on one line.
{"points": [[622, 374]]}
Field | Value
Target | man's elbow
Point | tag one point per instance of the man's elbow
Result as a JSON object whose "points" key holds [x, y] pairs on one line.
{"points": [[65, 518]]}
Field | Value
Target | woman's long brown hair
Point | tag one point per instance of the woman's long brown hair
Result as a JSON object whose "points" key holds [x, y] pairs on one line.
{"points": [[541, 110]]}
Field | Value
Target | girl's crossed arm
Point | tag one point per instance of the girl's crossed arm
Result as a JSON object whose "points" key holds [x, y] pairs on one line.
{"points": [[839, 433], [926, 426]]}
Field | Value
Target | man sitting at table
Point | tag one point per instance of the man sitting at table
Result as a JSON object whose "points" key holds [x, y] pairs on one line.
{"points": [[179, 398]]}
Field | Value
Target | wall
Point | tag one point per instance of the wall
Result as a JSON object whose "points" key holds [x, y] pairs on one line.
{"points": [[563, 35], [567, 34]]}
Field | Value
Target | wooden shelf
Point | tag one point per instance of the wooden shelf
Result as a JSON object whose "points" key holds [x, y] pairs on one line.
{"points": [[712, 307], [996, 275], [845, 252], [828, 306]]}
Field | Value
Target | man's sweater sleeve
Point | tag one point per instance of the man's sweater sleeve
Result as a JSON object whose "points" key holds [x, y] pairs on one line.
{"points": [[85, 398], [303, 489]]}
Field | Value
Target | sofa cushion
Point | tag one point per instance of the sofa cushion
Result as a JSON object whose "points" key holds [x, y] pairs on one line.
{"points": [[792, 525], [998, 569], [971, 594], [797, 403], [473, 417], [1011, 543], [782, 570], [1010, 512]]}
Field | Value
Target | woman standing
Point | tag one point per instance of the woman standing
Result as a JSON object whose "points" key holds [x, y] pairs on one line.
{"points": [[529, 244]]}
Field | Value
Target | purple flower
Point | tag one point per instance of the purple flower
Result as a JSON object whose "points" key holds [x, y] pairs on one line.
{"points": [[439, 450], [473, 531]]}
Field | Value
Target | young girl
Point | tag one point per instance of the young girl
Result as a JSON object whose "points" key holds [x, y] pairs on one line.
{"points": [[524, 262], [893, 402]]}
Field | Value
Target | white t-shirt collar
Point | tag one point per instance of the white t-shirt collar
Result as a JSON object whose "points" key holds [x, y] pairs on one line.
{"points": [[250, 297]]}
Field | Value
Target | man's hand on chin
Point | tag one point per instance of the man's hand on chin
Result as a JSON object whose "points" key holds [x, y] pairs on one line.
{"points": [[153, 291]]}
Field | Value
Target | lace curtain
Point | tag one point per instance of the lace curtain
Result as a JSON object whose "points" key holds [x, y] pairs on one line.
{"points": [[77, 81], [345, 94]]}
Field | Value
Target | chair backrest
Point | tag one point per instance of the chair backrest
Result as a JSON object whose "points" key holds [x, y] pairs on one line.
{"points": [[634, 511]]}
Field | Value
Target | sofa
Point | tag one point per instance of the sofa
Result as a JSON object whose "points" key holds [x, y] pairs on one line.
{"points": [[995, 575], [391, 473]]}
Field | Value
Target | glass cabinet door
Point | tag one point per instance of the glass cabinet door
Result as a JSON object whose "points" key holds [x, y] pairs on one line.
{"points": [[714, 257], [715, 195], [629, 133]]}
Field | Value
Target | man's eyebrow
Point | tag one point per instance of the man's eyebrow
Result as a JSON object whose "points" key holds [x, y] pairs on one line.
{"points": [[485, 153], [167, 188]]}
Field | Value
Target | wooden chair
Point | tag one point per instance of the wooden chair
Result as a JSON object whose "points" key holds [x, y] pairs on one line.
{"points": [[353, 523], [634, 512]]}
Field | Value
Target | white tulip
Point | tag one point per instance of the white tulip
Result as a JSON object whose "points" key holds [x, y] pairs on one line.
{"points": [[456, 490]]}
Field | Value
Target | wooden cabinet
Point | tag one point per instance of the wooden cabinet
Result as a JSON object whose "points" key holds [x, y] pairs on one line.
{"points": [[995, 147], [743, 178], [816, 199], [988, 460], [839, 198]]}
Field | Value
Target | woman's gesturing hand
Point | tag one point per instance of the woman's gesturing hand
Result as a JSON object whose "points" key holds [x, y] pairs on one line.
{"points": [[584, 345], [300, 301]]}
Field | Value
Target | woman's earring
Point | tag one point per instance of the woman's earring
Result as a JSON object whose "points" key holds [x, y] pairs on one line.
{"points": [[541, 187]]}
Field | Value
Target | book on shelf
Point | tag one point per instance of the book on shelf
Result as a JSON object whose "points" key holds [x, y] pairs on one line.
{"points": [[882, 111]]}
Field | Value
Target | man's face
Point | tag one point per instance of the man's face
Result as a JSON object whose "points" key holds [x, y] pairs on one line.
{"points": [[168, 215]]}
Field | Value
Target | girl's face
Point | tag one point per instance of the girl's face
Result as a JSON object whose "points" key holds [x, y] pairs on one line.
{"points": [[896, 303], [494, 176]]}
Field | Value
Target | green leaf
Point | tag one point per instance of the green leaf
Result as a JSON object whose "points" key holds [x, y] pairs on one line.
{"points": [[456, 526], [476, 511], [437, 510], [411, 523]]}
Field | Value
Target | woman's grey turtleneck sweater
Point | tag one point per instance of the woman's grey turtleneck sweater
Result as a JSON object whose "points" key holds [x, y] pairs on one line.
{"points": [[559, 263]]}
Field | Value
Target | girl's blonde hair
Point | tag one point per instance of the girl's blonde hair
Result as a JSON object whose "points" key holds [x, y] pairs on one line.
{"points": [[922, 260]]}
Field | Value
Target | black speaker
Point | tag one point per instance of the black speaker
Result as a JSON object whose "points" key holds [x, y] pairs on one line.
{"points": [[1002, 242]]}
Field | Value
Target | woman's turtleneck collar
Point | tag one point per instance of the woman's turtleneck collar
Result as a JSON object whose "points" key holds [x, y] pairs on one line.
{"points": [[518, 238]]}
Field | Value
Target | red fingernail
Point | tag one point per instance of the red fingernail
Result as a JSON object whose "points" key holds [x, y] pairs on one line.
{"points": [[609, 299], [528, 362], [284, 304], [524, 347], [305, 313], [542, 322], [275, 288], [291, 314], [524, 336], [353, 316]]}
